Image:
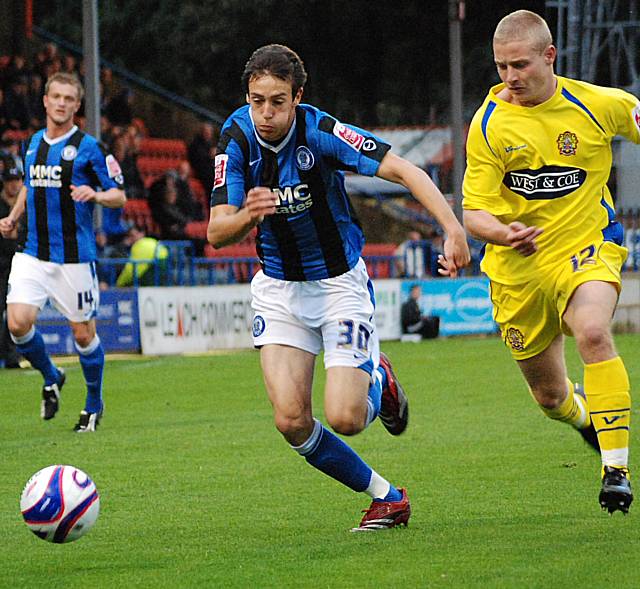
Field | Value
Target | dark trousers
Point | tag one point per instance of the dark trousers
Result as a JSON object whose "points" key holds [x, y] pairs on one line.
{"points": [[8, 353]]}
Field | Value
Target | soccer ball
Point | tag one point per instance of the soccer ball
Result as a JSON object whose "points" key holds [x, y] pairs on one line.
{"points": [[60, 503]]}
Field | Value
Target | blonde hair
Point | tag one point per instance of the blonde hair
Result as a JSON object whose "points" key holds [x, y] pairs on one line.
{"points": [[523, 25], [65, 78]]}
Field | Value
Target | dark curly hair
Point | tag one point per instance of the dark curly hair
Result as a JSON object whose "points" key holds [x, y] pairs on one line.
{"points": [[275, 60]]}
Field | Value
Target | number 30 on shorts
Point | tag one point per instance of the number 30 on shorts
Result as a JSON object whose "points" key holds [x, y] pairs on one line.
{"points": [[349, 329]]}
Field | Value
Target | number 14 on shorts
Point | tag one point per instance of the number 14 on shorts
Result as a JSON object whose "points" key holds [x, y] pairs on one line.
{"points": [[85, 298]]}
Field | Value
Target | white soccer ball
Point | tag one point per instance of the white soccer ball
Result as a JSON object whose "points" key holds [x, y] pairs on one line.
{"points": [[60, 503]]}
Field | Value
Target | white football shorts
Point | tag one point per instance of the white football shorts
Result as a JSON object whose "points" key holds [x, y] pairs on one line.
{"points": [[333, 313], [72, 288]]}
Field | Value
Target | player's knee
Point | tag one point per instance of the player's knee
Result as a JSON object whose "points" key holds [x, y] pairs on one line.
{"points": [[594, 337], [346, 424], [19, 325], [549, 398], [295, 429]]}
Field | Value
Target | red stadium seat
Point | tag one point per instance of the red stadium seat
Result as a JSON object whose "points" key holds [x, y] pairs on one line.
{"points": [[138, 212], [379, 268]]}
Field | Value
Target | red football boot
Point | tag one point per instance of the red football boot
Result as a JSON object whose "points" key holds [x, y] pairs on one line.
{"points": [[383, 515], [394, 407]]}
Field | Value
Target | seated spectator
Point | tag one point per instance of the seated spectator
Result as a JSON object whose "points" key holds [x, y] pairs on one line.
{"points": [[187, 202], [34, 96], [412, 319], [118, 109], [17, 103], [127, 158], [163, 202], [201, 153], [412, 256], [143, 248]]}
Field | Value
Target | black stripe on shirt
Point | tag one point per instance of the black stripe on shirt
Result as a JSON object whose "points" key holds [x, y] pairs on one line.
{"points": [[219, 195], [331, 242], [285, 237], [67, 204], [40, 206]]}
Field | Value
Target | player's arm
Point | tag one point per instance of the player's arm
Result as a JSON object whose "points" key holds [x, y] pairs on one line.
{"points": [[9, 223], [486, 227], [456, 251], [229, 224], [112, 198]]}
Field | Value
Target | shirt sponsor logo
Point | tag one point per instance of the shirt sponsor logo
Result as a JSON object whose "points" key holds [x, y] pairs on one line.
{"points": [[369, 145], [304, 158], [69, 152], [292, 199], [349, 136], [636, 115], [220, 170], [41, 176], [545, 183], [113, 167], [567, 143], [511, 148]]}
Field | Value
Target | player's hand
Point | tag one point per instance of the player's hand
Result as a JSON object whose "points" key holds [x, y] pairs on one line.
{"points": [[260, 202], [456, 254], [83, 193], [7, 225], [522, 238]]}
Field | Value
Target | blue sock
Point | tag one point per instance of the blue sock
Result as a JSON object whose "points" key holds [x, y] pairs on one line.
{"points": [[373, 400], [31, 346], [392, 495], [384, 376], [329, 454], [92, 362]]}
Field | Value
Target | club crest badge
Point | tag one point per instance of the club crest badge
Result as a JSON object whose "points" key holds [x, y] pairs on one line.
{"points": [[258, 325], [69, 152], [567, 143], [304, 158], [515, 339]]}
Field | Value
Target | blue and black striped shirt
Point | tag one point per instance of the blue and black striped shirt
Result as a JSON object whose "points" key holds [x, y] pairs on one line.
{"points": [[314, 233], [58, 228]]}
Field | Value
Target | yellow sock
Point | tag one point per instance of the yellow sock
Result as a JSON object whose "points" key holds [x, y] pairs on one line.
{"points": [[572, 410], [607, 386]]}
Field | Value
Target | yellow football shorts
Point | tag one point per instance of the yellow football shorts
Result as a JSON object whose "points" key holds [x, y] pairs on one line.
{"points": [[530, 314]]}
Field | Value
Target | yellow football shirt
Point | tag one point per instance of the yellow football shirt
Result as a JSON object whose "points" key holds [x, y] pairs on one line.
{"points": [[547, 166]]}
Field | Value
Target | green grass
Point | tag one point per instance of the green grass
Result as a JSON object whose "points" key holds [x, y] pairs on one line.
{"points": [[199, 490]]}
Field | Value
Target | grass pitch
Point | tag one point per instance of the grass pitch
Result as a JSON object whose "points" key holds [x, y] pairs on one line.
{"points": [[198, 489]]}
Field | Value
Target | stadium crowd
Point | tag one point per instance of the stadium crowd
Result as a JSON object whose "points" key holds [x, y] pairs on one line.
{"points": [[173, 198]]}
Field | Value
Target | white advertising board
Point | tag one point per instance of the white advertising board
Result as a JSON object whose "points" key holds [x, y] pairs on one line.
{"points": [[194, 319], [387, 293]]}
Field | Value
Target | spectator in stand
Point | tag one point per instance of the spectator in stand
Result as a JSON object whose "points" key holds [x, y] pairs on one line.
{"points": [[48, 61], [4, 117], [12, 177], [35, 94], [133, 182], [70, 64], [16, 68], [143, 248], [10, 149], [17, 103], [118, 109], [412, 256], [187, 202], [163, 201], [412, 319], [201, 153]]}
